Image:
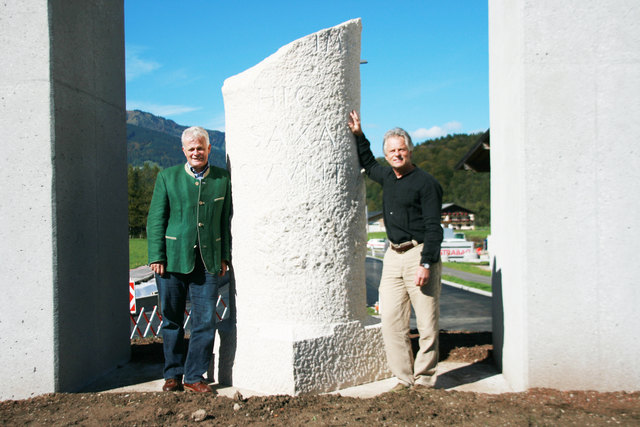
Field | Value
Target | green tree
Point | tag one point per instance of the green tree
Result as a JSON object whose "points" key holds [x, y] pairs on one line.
{"points": [[141, 181]]}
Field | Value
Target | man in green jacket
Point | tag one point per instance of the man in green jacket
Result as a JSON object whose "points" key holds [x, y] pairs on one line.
{"points": [[189, 239]]}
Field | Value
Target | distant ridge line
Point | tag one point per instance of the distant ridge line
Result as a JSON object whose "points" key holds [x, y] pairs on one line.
{"points": [[152, 138]]}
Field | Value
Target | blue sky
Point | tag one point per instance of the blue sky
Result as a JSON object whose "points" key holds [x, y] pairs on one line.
{"points": [[427, 68]]}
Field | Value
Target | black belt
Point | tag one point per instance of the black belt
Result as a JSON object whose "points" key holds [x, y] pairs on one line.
{"points": [[404, 247]]}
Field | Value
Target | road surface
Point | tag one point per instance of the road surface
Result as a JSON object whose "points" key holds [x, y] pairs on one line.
{"points": [[459, 309]]}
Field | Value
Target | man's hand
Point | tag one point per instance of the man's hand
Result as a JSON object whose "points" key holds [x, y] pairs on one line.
{"points": [[354, 123], [422, 276], [158, 267], [223, 268]]}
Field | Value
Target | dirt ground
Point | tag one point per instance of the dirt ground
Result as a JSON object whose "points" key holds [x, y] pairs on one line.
{"points": [[413, 407]]}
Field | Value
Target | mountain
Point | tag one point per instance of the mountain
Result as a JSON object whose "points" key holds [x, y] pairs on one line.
{"points": [[156, 139]]}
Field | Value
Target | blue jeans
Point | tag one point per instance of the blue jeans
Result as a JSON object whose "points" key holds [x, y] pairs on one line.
{"points": [[202, 287]]}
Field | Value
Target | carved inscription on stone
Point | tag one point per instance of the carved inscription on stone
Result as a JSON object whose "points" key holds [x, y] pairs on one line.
{"points": [[299, 223]]}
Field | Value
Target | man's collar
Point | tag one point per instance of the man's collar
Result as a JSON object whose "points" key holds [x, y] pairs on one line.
{"points": [[404, 172], [193, 173]]}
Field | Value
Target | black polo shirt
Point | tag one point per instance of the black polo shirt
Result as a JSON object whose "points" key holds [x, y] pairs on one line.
{"points": [[411, 204]]}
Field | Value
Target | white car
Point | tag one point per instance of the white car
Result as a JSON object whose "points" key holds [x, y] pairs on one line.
{"points": [[377, 244]]}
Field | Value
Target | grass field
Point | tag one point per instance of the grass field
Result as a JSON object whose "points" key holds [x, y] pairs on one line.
{"points": [[469, 267], [137, 252], [475, 285], [477, 235], [377, 235]]}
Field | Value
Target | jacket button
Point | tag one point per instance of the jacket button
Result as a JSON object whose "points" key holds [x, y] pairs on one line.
{"points": [[201, 203], [197, 182], [200, 224]]}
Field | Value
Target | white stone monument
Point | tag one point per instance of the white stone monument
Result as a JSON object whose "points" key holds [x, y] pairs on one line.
{"points": [[299, 220]]}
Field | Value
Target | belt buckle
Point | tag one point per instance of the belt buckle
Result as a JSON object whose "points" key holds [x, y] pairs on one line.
{"points": [[403, 247]]}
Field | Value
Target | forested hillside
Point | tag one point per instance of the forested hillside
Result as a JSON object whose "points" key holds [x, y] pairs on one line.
{"points": [[155, 139], [153, 143], [438, 157]]}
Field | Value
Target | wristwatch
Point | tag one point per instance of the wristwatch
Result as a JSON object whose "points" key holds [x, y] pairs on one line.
{"points": [[426, 265]]}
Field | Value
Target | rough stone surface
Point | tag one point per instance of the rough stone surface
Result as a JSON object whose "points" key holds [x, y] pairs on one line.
{"points": [[299, 218], [347, 357]]}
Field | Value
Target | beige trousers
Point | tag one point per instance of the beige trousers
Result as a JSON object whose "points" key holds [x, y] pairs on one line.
{"points": [[397, 293]]}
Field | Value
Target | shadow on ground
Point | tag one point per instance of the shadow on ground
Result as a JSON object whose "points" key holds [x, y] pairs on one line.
{"points": [[455, 346], [473, 350], [145, 365]]}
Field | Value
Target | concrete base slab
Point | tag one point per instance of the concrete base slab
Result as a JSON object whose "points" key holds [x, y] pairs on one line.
{"points": [[475, 377]]}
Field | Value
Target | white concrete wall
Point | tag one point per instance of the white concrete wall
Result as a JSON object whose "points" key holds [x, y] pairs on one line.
{"points": [[63, 234], [26, 188], [299, 219], [564, 86]]}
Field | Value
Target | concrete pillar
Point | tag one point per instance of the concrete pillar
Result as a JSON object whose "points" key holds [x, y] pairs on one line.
{"points": [[299, 219], [564, 85], [63, 234]]}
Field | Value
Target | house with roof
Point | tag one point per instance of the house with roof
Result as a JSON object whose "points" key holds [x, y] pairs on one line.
{"points": [[477, 159], [452, 216], [457, 217]]}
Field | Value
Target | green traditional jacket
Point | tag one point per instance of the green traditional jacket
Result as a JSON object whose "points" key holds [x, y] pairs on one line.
{"points": [[186, 212]]}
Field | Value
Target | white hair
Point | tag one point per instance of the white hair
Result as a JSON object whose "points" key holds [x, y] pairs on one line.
{"points": [[397, 132], [195, 133]]}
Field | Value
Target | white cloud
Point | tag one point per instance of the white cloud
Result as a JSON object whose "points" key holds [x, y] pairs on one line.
{"points": [[161, 110], [215, 123], [422, 133], [135, 66], [451, 126], [435, 131]]}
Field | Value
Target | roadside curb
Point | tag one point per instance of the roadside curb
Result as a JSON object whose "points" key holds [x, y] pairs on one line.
{"points": [[467, 288]]}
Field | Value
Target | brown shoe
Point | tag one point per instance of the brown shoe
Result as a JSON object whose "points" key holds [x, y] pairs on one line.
{"points": [[199, 387], [172, 384]]}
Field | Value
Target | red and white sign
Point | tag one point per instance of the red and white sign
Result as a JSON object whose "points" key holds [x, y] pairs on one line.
{"points": [[132, 297], [455, 251]]}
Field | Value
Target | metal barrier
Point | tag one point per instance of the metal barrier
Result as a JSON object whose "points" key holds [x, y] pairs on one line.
{"points": [[146, 321], [149, 322]]}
